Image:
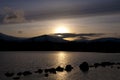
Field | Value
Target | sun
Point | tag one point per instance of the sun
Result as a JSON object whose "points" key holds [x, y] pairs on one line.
{"points": [[62, 29]]}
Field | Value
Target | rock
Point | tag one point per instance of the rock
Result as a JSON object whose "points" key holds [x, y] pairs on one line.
{"points": [[104, 64], [68, 68], [9, 74], [46, 75], [118, 63], [39, 71], [60, 69], [25, 73], [52, 70], [96, 65], [118, 67], [46, 70], [91, 66], [19, 73], [84, 67]]}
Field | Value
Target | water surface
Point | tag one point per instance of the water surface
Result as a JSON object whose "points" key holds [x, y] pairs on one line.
{"points": [[23, 61]]}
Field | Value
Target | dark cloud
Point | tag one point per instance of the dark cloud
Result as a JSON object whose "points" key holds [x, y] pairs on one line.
{"points": [[86, 36], [90, 9], [51, 9], [20, 32], [66, 35], [9, 15], [82, 36]]}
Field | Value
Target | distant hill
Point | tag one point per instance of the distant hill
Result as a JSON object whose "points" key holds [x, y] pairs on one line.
{"points": [[47, 38], [55, 43], [5, 37], [109, 39]]}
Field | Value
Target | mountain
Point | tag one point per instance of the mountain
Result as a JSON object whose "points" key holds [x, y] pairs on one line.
{"points": [[109, 39], [51, 38], [5, 37], [43, 38], [81, 40], [55, 43], [47, 38]]}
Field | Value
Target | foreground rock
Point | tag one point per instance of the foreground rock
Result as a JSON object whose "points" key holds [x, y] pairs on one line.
{"points": [[46, 75], [60, 69], [51, 70], [39, 71], [26, 73], [84, 66], [9, 74], [19, 73], [68, 68]]}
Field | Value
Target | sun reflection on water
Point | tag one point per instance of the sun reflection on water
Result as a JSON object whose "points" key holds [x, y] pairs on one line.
{"points": [[62, 59]]}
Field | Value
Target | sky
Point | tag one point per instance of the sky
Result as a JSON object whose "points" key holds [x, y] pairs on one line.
{"points": [[27, 18]]}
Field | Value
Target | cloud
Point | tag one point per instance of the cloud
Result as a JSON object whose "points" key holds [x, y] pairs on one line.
{"points": [[13, 16], [82, 36], [94, 8], [86, 36], [52, 9], [66, 35]]}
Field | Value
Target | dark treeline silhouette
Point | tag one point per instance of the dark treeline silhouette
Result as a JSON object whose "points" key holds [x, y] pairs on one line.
{"points": [[66, 46], [99, 45]]}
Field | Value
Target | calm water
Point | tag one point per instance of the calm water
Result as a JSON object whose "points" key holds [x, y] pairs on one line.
{"points": [[22, 61]]}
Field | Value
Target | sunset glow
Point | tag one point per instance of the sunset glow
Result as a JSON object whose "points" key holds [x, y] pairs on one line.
{"points": [[61, 29], [59, 39]]}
